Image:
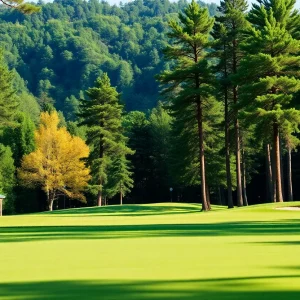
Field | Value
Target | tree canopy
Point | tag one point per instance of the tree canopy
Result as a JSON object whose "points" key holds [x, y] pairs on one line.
{"points": [[57, 163]]}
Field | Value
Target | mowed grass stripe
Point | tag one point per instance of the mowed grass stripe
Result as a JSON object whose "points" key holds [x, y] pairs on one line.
{"points": [[162, 251]]}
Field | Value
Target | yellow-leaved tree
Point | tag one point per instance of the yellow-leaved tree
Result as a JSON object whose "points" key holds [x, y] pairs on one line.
{"points": [[57, 163]]}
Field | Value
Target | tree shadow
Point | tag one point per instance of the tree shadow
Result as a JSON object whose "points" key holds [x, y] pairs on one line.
{"points": [[291, 243], [246, 288], [40, 233], [128, 210]]}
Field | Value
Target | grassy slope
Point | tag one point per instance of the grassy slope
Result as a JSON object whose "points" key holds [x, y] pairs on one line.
{"points": [[162, 251]]}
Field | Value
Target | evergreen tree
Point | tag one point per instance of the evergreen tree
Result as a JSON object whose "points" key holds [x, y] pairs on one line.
{"points": [[102, 115], [8, 100], [160, 133], [20, 138], [119, 174], [7, 178], [191, 73], [269, 74], [137, 129], [21, 6], [228, 32]]}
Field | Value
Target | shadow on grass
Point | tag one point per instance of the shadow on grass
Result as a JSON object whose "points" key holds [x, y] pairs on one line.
{"points": [[247, 288], [40, 233], [128, 210]]}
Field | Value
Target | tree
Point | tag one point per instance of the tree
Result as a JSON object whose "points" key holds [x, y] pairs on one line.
{"points": [[228, 33], [192, 75], [119, 175], [8, 100], [102, 116], [291, 142], [25, 8], [137, 129], [269, 73], [160, 131], [19, 138], [57, 163], [7, 178]]}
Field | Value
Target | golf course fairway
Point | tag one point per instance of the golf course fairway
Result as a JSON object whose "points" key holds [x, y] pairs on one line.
{"points": [[166, 251]]}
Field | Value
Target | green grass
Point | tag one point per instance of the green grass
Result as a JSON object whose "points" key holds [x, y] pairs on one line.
{"points": [[162, 251]]}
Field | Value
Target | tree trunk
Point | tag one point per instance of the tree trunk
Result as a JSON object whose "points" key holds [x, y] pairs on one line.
{"points": [[277, 173], [236, 124], [208, 197], [269, 175], [50, 200], [227, 146], [121, 195], [99, 198], [289, 174], [50, 207], [281, 169], [273, 175], [244, 182], [101, 155], [205, 206], [227, 135], [238, 164]]}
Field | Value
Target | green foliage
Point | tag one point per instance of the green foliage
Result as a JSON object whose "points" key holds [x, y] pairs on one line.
{"points": [[160, 133], [228, 34], [102, 116], [65, 47], [270, 72], [190, 81], [8, 102], [119, 174], [7, 178], [20, 138]]}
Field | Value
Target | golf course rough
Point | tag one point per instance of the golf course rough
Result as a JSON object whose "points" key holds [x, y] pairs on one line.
{"points": [[160, 251]]}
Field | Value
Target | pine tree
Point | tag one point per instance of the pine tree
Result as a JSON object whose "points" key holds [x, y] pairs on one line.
{"points": [[102, 114], [228, 35], [160, 134], [19, 138], [119, 174], [269, 74], [192, 75], [21, 6], [7, 178], [137, 129], [8, 100]]}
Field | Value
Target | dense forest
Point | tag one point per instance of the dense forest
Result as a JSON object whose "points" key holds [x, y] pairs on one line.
{"points": [[180, 101], [61, 50]]}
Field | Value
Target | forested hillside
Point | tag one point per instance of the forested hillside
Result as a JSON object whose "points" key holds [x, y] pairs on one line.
{"points": [[61, 50]]}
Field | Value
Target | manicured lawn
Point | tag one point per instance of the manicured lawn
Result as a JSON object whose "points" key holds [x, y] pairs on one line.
{"points": [[161, 251]]}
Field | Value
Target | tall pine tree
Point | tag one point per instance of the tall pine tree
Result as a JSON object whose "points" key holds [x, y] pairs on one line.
{"points": [[102, 113], [191, 73], [8, 100], [228, 33], [269, 74]]}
